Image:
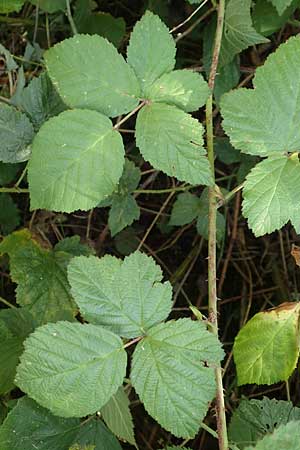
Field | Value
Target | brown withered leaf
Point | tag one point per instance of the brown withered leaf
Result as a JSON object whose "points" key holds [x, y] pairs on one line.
{"points": [[295, 252]]}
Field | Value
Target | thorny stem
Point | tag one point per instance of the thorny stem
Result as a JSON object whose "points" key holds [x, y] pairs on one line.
{"points": [[212, 268]]}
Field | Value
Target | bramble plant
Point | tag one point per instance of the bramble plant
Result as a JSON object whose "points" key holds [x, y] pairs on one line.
{"points": [[91, 326]]}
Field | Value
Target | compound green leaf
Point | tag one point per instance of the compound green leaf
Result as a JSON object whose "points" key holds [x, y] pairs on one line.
{"points": [[185, 209], [95, 436], [183, 88], [107, 83], [77, 161], [266, 349], [177, 353], [127, 296], [271, 194], [15, 325], [70, 368], [117, 416], [151, 51], [123, 212], [285, 437], [41, 276], [7, 6], [29, 426], [9, 214], [259, 122], [281, 5], [253, 419], [172, 141], [239, 33], [40, 100], [16, 133], [50, 6]]}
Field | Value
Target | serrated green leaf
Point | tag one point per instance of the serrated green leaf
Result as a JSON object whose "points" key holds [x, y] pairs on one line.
{"points": [[268, 339], [151, 51], [124, 211], [171, 355], [227, 78], [109, 88], [225, 152], [15, 325], [7, 6], [281, 5], [238, 33], [259, 122], [95, 434], [271, 194], [185, 209], [171, 140], [50, 6], [29, 426], [77, 160], [130, 178], [253, 419], [41, 276], [16, 133], [127, 296], [9, 214], [70, 368], [285, 437], [183, 88], [126, 241], [73, 246], [40, 100], [117, 416]]}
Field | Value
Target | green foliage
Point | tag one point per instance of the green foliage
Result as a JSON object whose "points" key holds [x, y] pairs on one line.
{"points": [[281, 5], [16, 134], [239, 33], [117, 416], [171, 355], [100, 23], [41, 276], [267, 20], [95, 436], [165, 134], [9, 214], [268, 339], [7, 6], [110, 88], [124, 208], [285, 437], [127, 297], [40, 101], [50, 6], [253, 419], [15, 326], [188, 207], [183, 88], [77, 160], [29, 426], [151, 51], [72, 369]]}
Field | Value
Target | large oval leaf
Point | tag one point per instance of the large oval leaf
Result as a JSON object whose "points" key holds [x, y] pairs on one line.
{"points": [[177, 353], [72, 369], [77, 160], [89, 73], [266, 349], [172, 141], [286, 437]]}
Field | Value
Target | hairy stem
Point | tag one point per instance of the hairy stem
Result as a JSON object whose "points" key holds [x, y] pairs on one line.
{"points": [[212, 268]]}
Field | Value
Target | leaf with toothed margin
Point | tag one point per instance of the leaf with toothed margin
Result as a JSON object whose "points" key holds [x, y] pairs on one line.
{"points": [[177, 353], [171, 140]]}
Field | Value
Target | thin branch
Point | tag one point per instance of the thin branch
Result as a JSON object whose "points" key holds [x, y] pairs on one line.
{"points": [[188, 18], [70, 18], [125, 118]]}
